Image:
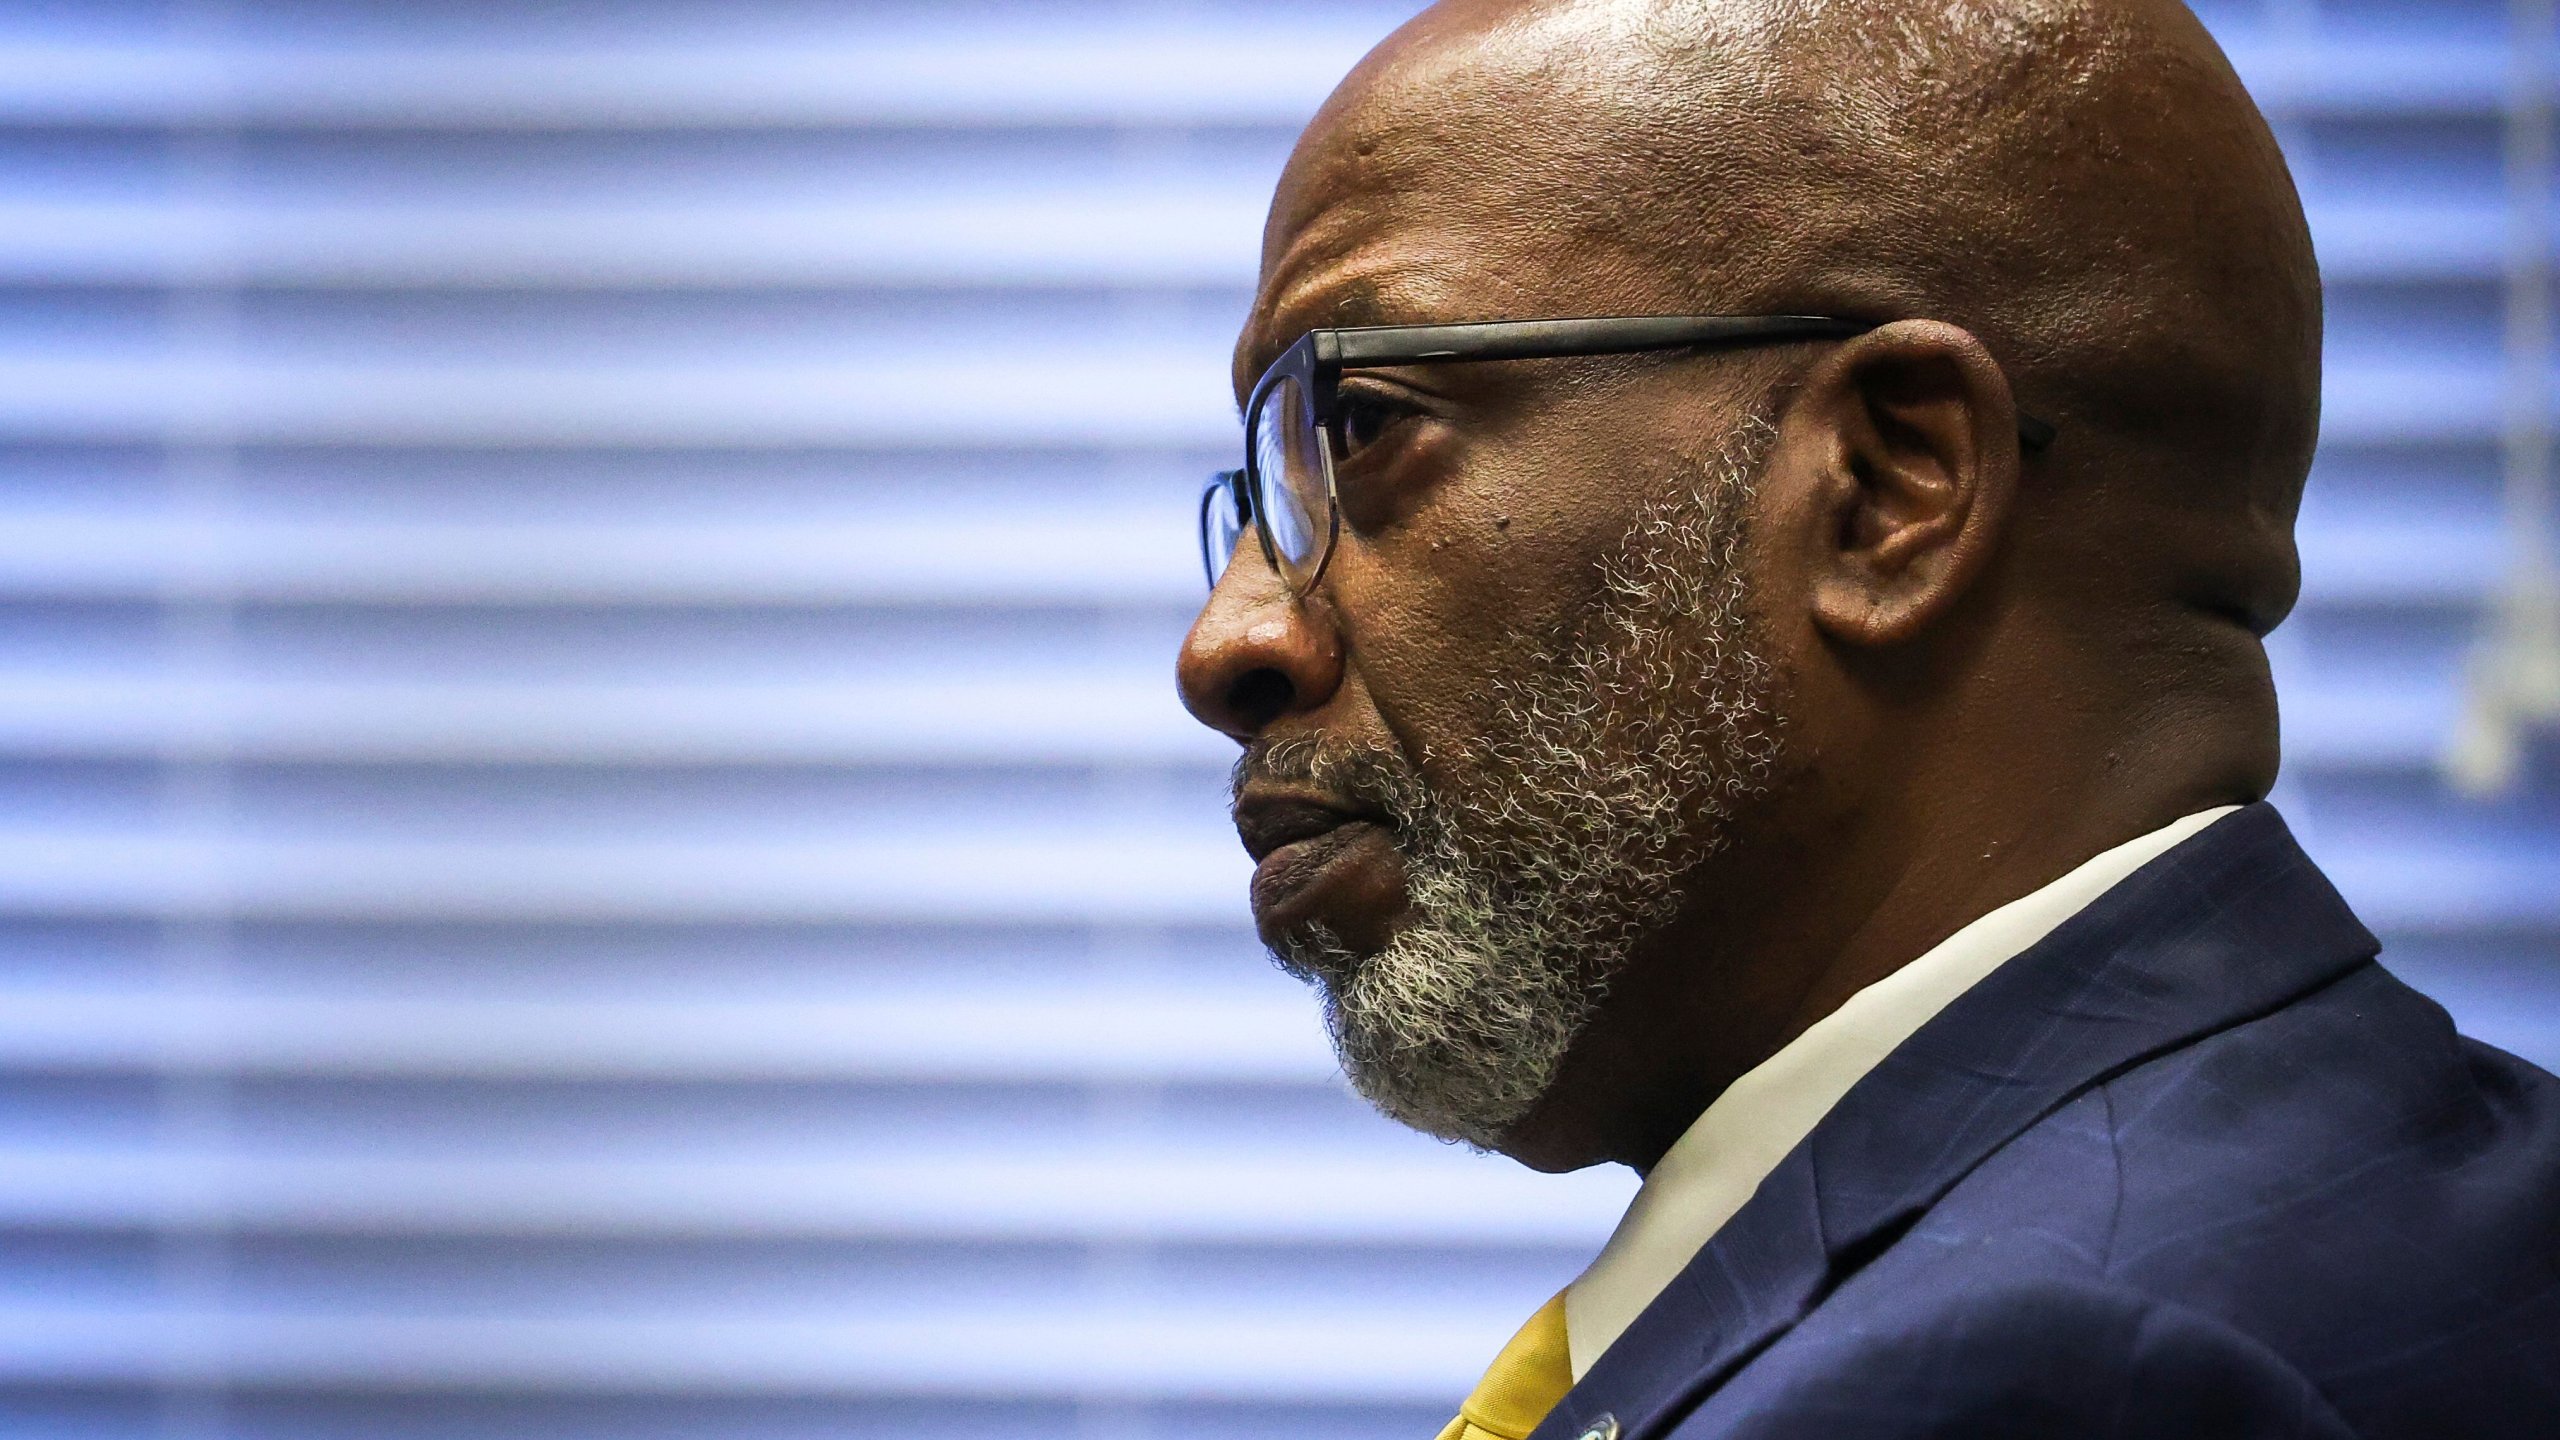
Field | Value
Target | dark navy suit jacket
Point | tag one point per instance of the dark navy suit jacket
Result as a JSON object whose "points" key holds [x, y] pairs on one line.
{"points": [[2194, 1166]]}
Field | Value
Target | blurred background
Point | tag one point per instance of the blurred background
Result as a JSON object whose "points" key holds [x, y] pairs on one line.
{"points": [[594, 835]]}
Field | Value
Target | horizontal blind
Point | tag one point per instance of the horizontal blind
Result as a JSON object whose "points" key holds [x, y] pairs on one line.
{"points": [[599, 843]]}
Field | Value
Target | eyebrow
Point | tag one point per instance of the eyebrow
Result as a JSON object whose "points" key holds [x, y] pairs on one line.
{"points": [[1356, 304]]}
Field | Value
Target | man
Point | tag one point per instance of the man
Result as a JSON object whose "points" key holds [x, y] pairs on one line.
{"points": [[1804, 734]]}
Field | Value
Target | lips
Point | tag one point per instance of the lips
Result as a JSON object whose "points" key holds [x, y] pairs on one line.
{"points": [[1306, 853], [1271, 823]]}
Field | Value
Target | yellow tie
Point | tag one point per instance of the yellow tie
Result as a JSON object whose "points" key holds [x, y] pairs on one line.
{"points": [[1524, 1382]]}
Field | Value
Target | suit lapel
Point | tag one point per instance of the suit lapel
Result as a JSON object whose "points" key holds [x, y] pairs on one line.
{"points": [[1763, 1271], [2230, 925]]}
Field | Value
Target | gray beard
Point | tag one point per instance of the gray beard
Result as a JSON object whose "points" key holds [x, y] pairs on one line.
{"points": [[1563, 838]]}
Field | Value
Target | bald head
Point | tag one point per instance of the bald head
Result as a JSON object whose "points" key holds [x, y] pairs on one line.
{"points": [[2083, 184]]}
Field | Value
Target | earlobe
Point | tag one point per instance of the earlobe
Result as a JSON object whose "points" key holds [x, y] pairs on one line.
{"points": [[1918, 431]]}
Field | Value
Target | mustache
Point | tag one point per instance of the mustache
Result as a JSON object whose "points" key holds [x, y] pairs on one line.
{"points": [[1360, 777]]}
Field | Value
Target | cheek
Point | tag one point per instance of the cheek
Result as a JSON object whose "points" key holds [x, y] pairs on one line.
{"points": [[1486, 581], [1428, 659]]}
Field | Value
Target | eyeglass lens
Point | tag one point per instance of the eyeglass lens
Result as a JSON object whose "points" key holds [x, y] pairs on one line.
{"points": [[1221, 526], [1292, 493]]}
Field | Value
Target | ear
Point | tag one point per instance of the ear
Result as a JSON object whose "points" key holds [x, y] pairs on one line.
{"points": [[1915, 441]]}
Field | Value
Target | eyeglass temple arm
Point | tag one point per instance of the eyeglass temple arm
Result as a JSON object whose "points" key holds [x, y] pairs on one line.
{"points": [[1615, 335], [1558, 339]]}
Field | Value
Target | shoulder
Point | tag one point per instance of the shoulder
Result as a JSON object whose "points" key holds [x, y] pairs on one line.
{"points": [[2361, 1061], [2352, 1115], [2362, 1189], [2339, 1208], [2343, 1185], [2035, 1357]]}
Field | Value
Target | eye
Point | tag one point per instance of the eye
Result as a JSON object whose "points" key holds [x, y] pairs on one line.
{"points": [[1362, 418]]}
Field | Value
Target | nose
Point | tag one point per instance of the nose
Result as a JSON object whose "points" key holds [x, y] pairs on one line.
{"points": [[1257, 653]]}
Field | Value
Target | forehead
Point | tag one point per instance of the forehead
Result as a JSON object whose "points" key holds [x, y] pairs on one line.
{"points": [[1439, 190], [1502, 161], [1383, 238]]}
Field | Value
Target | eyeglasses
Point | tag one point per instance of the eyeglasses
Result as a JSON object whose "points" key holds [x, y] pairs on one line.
{"points": [[1286, 489]]}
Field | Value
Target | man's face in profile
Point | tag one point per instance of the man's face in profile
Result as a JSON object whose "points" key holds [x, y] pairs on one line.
{"points": [[1530, 695]]}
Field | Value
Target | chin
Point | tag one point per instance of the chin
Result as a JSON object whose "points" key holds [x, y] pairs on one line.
{"points": [[1334, 941], [1548, 1139]]}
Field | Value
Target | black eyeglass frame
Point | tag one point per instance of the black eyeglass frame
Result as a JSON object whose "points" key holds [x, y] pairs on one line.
{"points": [[1318, 358]]}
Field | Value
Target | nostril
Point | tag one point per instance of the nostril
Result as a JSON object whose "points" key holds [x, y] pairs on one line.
{"points": [[1259, 697]]}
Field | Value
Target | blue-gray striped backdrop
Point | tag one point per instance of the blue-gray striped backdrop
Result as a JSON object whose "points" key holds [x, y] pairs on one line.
{"points": [[594, 838]]}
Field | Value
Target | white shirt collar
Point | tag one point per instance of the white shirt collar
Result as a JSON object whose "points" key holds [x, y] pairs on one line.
{"points": [[1713, 1168]]}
